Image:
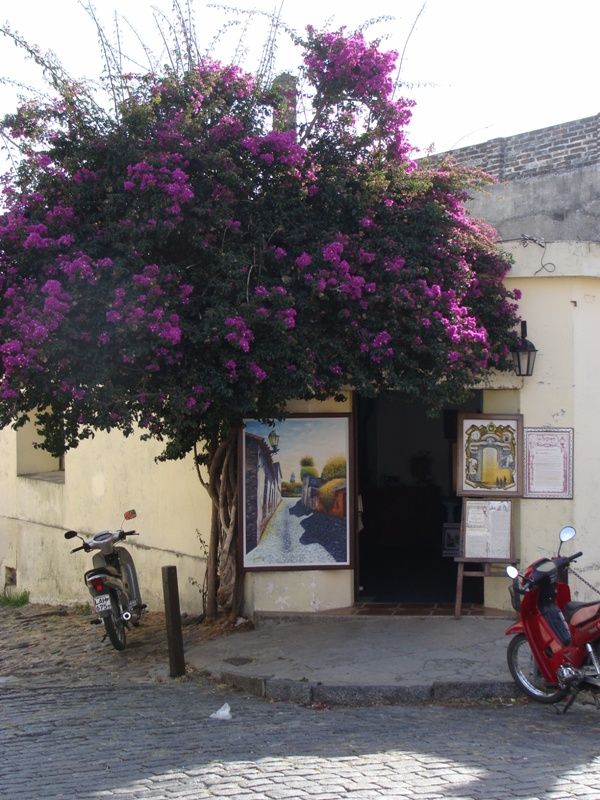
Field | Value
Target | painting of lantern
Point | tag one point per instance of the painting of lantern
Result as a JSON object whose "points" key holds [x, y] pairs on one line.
{"points": [[490, 455], [296, 493]]}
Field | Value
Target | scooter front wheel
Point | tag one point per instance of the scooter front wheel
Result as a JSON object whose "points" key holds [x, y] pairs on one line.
{"points": [[526, 673], [114, 626]]}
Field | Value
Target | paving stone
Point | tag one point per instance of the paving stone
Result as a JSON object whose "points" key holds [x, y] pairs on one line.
{"points": [[246, 683], [294, 691], [61, 647], [110, 727]]}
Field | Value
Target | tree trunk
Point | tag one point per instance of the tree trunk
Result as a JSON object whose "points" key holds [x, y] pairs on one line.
{"points": [[223, 587], [212, 580]]}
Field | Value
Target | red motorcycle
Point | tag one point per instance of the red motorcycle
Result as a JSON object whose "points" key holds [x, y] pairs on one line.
{"points": [[556, 647]]}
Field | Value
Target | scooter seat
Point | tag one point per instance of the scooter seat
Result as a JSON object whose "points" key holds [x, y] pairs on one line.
{"points": [[580, 613], [100, 571]]}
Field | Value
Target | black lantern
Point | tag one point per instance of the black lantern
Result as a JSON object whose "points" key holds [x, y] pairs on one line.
{"points": [[273, 439], [523, 354]]}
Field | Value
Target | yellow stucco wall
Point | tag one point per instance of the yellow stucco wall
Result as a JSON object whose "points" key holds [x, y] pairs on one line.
{"points": [[105, 476], [30, 459], [562, 309]]}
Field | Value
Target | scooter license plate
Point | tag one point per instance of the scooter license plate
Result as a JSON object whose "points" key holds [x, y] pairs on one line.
{"points": [[102, 602]]}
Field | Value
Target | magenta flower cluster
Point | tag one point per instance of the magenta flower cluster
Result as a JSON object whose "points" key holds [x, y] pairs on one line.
{"points": [[182, 265], [351, 61], [174, 183], [239, 334], [276, 148], [349, 69]]}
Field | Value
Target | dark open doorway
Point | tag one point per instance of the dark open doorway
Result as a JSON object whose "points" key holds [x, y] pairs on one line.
{"points": [[406, 488]]}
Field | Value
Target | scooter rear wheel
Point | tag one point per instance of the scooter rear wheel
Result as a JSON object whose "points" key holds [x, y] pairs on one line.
{"points": [[114, 626], [526, 674]]}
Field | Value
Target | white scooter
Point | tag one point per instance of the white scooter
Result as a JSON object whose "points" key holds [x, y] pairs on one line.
{"points": [[113, 582]]}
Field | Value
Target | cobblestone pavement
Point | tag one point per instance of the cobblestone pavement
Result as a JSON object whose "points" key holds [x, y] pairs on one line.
{"points": [[47, 645], [81, 723]]}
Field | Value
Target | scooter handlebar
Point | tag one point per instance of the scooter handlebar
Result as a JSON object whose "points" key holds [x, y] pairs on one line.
{"points": [[564, 561]]}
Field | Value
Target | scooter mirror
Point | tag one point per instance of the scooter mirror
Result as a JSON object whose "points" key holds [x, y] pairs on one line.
{"points": [[130, 514], [70, 534], [512, 572], [567, 533]]}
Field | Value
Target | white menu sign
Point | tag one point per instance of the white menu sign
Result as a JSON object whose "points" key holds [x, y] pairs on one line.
{"points": [[487, 529]]}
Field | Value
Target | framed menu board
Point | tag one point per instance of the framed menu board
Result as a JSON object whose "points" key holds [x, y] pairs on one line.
{"points": [[486, 530], [548, 463]]}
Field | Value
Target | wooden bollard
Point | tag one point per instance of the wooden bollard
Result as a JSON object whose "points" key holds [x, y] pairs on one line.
{"points": [[173, 622]]}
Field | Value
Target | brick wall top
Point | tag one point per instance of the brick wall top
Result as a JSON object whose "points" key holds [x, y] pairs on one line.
{"points": [[549, 150]]}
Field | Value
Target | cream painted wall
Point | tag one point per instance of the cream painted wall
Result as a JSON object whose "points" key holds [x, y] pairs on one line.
{"points": [[103, 478], [321, 406], [308, 591], [108, 474], [173, 508], [562, 309], [29, 458]]}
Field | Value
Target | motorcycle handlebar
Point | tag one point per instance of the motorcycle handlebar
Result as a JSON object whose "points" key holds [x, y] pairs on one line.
{"points": [[564, 561], [530, 582]]}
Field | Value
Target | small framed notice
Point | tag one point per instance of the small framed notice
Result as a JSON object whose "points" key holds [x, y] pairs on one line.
{"points": [[548, 463], [487, 530]]}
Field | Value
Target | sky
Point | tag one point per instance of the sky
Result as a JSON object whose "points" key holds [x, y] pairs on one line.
{"points": [[477, 69]]}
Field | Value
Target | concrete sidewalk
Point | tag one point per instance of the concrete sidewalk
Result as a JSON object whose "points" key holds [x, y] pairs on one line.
{"points": [[350, 660]]}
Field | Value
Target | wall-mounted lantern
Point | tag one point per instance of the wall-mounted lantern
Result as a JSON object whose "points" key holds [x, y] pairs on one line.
{"points": [[523, 354]]}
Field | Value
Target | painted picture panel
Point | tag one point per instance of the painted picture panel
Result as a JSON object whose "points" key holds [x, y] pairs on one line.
{"points": [[296, 493], [490, 455]]}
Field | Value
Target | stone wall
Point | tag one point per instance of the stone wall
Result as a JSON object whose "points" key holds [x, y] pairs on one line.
{"points": [[548, 182], [560, 148]]}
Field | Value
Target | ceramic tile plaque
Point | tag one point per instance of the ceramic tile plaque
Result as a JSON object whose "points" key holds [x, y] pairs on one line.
{"points": [[548, 462], [489, 455]]}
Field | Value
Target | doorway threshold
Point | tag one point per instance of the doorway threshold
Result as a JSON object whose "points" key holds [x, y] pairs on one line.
{"points": [[381, 610], [415, 610]]}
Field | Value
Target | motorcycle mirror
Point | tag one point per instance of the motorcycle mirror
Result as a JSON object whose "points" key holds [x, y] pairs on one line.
{"points": [[130, 514], [567, 533], [70, 534], [512, 572]]}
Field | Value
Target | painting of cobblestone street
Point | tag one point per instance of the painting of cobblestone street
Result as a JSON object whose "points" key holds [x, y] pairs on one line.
{"points": [[296, 492]]}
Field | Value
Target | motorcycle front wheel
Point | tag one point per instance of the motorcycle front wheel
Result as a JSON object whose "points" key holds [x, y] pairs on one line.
{"points": [[526, 674], [114, 625]]}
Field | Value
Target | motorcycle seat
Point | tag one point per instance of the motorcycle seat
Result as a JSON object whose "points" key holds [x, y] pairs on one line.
{"points": [[580, 613], [107, 570]]}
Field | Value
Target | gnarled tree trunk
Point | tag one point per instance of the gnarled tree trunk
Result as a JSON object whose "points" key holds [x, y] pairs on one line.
{"points": [[223, 582]]}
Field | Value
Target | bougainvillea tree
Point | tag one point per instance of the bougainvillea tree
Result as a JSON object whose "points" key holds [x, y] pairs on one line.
{"points": [[201, 255]]}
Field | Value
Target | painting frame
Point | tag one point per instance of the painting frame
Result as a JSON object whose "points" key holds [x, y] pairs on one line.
{"points": [[294, 516], [555, 439], [478, 436]]}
